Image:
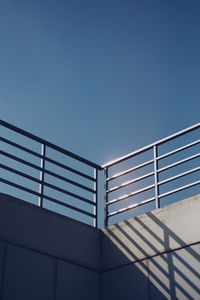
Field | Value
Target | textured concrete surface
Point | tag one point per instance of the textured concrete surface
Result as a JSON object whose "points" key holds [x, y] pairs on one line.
{"points": [[176, 275], [169, 228], [74, 282], [28, 275], [47, 256], [39, 229], [128, 282], [2, 247]]}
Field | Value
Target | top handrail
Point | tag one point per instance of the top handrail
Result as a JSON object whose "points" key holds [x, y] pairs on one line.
{"points": [[49, 144], [159, 142]]}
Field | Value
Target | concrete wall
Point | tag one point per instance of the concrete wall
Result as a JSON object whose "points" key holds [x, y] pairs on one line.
{"points": [[46, 256], [155, 255]]}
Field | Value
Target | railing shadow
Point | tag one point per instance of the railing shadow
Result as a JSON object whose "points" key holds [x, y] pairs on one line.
{"points": [[169, 269]]}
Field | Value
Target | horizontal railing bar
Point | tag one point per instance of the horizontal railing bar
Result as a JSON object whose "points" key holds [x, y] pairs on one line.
{"points": [[125, 157], [20, 173], [20, 160], [148, 147], [20, 187], [69, 168], [178, 150], [54, 187], [20, 147], [50, 172], [51, 161], [130, 182], [178, 162], [130, 170], [179, 175], [130, 195], [179, 189], [47, 184], [69, 181], [69, 206], [131, 207], [48, 144]]}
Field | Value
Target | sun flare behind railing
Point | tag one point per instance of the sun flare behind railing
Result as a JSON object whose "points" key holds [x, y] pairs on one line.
{"points": [[152, 173]]}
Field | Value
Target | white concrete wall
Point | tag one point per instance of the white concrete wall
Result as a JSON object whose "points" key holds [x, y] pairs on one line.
{"points": [[155, 255]]}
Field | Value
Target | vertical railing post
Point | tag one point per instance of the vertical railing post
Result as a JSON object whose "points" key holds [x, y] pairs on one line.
{"points": [[96, 197], [42, 166], [105, 197], [155, 150]]}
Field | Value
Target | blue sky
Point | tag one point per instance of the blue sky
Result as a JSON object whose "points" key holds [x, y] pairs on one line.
{"points": [[100, 78]]}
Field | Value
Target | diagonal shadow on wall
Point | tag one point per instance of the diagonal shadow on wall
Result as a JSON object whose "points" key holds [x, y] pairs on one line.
{"points": [[143, 258]]}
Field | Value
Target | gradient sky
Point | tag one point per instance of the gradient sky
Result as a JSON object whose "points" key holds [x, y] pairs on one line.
{"points": [[100, 78]]}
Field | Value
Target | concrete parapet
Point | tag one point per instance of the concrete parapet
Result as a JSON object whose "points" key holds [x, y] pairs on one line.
{"points": [[171, 227], [27, 225], [46, 256]]}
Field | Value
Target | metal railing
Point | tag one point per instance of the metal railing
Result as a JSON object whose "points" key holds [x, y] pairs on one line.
{"points": [[44, 171], [151, 170], [140, 177]]}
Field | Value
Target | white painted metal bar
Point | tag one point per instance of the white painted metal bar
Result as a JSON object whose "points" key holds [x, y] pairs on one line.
{"points": [[179, 189], [130, 195], [42, 174], [105, 197], [179, 175], [130, 170], [156, 176], [130, 182], [179, 162], [178, 150], [170, 137], [131, 207], [157, 183], [95, 198]]}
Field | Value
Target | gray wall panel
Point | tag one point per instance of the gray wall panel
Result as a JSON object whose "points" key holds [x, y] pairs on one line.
{"points": [[39, 229], [2, 248], [76, 283], [28, 275], [125, 283], [150, 257]]}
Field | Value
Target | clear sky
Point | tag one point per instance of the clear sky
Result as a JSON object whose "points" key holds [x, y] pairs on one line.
{"points": [[100, 78]]}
